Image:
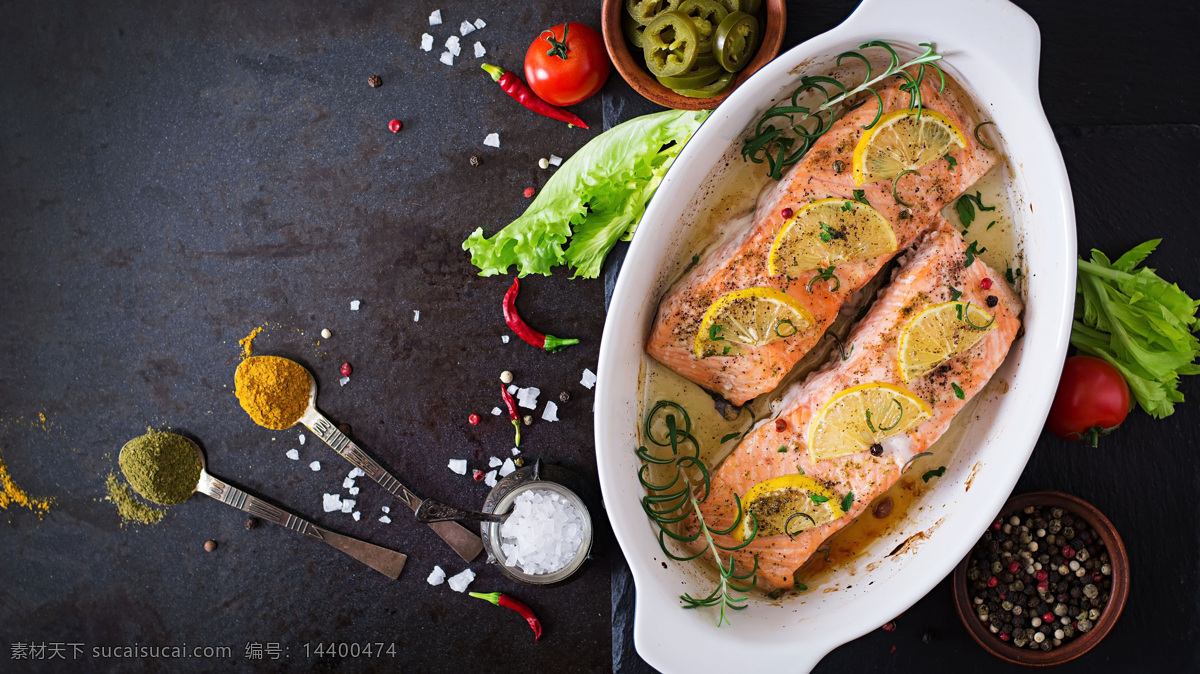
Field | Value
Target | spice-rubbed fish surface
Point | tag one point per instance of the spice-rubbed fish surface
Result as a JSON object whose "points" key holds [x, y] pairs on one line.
{"points": [[740, 372], [789, 491]]}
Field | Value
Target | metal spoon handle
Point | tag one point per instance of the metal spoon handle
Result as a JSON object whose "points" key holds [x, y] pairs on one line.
{"points": [[466, 544], [435, 511], [388, 562]]}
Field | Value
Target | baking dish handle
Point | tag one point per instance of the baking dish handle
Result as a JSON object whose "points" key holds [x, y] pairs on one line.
{"points": [[995, 30]]}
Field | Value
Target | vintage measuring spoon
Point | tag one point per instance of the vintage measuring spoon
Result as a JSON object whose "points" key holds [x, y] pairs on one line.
{"points": [[387, 562], [466, 544]]}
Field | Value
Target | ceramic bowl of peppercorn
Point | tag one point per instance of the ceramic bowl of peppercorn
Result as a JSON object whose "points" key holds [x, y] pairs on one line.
{"points": [[1045, 583]]}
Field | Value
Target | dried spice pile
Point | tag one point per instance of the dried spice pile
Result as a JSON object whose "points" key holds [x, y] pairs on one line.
{"points": [[11, 494], [1039, 578], [274, 391], [162, 467], [129, 507]]}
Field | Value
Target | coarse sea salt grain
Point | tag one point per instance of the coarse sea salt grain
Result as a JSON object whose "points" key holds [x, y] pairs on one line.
{"points": [[302, 438], [344, 380], [466, 27], [527, 397], [555, 160], [504, 338], [493, 462], [458, 465], [479, 50], [459, 582], [426, 42], [543, 534], [453, 45], [480, 24], [357, 515], [354, 304], [385, 519], [513, 388], [293, 455], [551, 411], [331, 502], [589, 378], [416, 316], [347, 483], [495, 411], [447, 58], [507, 468], [490, 478], [315, 466], [492, 140], [435, 17], [515, 451], [348, 506], [437, 576], [386, 509], [353, 491], [356, 472]]}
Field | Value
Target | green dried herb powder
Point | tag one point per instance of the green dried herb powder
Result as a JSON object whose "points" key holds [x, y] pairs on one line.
{"points": [[131, 509], [162, 467]]}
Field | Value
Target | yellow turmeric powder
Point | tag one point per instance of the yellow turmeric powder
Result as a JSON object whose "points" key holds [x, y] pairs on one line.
{"points": [[274, 391], [247, 342], [10, 493]]}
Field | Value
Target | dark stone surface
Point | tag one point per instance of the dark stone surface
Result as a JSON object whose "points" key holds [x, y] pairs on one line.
{"points": [[173, 175]]}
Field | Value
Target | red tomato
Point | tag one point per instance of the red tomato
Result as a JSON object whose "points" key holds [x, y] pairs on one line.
{"points": [[567, 64], [1092, 400]]}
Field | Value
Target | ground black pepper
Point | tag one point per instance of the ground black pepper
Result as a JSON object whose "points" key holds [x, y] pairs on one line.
{"points": [[1039, 577]]}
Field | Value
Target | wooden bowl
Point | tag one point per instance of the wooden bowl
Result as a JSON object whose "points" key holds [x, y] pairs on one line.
{"points": [[1081, 644], [632, 66]]}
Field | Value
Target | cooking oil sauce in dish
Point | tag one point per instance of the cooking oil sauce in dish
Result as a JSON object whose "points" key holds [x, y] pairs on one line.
{"points": [[726, 210]]}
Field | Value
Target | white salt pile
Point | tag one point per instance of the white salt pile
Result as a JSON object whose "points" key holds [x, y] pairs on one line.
{"points": [[437, 576], [460, 581], [543, 534]]}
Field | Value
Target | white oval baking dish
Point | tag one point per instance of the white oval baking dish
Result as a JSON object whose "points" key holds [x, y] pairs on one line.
{"points": [[992, 48]]}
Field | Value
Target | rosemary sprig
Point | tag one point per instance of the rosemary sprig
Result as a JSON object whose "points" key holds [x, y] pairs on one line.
{"points": [[775, 145], [679, 499]]}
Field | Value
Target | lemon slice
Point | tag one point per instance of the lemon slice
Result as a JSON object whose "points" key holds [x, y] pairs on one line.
{"points": [[861, 416], [751, 317], [787, 504], [938, 334], [829, 232], [900, 141]]}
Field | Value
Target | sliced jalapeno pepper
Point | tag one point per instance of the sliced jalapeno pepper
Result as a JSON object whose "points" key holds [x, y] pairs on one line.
{"points": [[707, 15], [749, 6], [735, 41], [698, 76], [723, 84], [643, 11], [633, 30], [670, 44], [732, 5]]}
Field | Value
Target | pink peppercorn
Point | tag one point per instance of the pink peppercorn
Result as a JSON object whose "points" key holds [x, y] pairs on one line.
{"points": [[996, 525], [1042, 575], [1048, 617], [985, 283], [1043, 586], [528, 192], [1004, 636], [1097, 577], [394, 126], [1068, 551], [786, 213], [1014, 567], [346, 369], [889, 626], [473, 419], [993, 581], [1003, 596], [781, 425], [478, 475]]}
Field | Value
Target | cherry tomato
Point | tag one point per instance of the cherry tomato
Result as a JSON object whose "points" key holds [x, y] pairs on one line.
{"points": [[1091, 401], [567, 64]]}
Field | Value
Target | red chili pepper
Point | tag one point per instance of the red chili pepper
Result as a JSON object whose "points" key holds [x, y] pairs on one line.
{"points": [[541, 341], [512, 411], [500, 599], [514, 86]]}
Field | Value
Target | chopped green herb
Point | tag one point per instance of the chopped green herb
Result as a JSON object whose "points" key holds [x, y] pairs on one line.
{"points": [[695, 259], [966, 205], [958, 392], [848, 206], [817, 498], [848, 501], [828, 233], [800, 469], [861, 197], [936, 472], [801, 586], [725, 351], [729, 436], [950, 158], [712, 333], [825, 274], [991, 223], [782, 448], [972, 252], [1008, 275], [955, 293]]}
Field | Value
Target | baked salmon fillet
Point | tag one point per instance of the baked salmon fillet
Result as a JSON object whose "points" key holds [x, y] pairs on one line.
{"points": [[824, 173], [933, 274]]}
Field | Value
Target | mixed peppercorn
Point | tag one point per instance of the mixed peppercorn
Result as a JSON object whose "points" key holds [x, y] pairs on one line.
{"points": [[1039, 578]]}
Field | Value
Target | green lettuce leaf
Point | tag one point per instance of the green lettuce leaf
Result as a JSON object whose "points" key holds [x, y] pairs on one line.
{"points": [[596, 198], [1140, 324]]}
